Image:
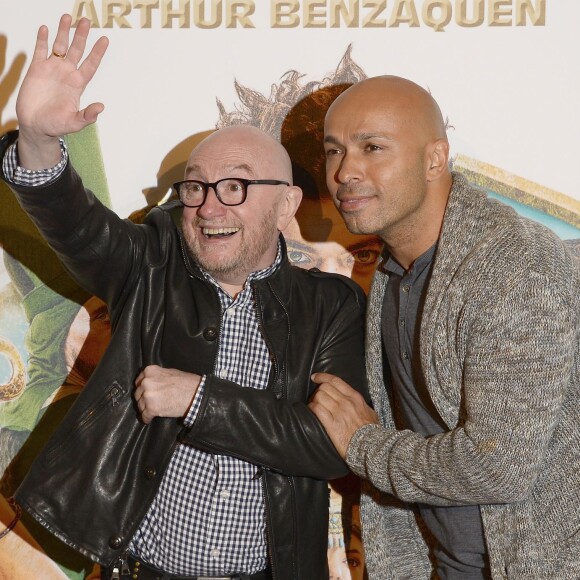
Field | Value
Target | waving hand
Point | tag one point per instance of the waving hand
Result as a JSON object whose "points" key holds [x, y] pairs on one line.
{"points": [[48, 104]]}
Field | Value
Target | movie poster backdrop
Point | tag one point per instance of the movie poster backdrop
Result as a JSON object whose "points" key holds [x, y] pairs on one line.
{"points": [[503, 71]]}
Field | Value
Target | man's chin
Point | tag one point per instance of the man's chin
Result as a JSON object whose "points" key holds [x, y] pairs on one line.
{"points": [[216, 267]]}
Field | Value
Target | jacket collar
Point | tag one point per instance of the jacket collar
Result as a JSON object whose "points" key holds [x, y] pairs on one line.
{"points": [[460, 232]]}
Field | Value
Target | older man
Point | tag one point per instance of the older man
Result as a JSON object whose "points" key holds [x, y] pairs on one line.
{"points": [[191, 452], [472, 347]]}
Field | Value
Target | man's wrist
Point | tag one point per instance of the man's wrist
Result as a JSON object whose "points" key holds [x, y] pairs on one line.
{"points": [[37, 152], [17, 175], [356, 448]]}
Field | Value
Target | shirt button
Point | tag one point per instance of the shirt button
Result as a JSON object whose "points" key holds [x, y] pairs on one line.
{"points": [[225, 493], [406, 288], [215, 553], [402, 322], [223, 374], [405, 356]]}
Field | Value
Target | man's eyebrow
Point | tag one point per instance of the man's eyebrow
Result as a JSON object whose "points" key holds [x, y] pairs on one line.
{"points": [[331, 139], [367, 136], [233, 168], [359, 137], [243, 166], [299, 245], [190, 168]]}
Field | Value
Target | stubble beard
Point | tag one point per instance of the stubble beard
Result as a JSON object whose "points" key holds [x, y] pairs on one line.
{"points": [[244, 259], [355, 222], [385, 222]]}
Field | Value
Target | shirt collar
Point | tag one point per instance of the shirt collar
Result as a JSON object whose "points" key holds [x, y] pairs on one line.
{"points": [[244, 297], [393, 267]]}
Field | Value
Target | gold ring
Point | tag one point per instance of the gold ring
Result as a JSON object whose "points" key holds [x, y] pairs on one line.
{"points": [[57, 54]]}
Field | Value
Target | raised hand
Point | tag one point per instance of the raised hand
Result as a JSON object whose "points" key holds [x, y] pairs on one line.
{"points": [[48, 104]]}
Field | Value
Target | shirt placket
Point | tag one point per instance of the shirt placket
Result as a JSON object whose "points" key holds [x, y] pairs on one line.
{"points": [[213, 551], [405, 290], [223, 369]]}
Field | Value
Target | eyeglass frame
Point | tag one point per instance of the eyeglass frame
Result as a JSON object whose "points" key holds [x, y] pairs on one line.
{"points": [[206, 186]]}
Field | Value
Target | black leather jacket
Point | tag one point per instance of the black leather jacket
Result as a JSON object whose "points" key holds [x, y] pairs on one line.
{"points": [[95, 479]]}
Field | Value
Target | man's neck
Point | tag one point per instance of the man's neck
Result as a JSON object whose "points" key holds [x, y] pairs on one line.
{"points": [[231, 290], [406, 249], [406, 242]]}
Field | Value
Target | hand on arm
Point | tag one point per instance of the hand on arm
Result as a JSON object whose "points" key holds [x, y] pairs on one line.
{"points": [[340, 409], [49, 98], [163, 392]]}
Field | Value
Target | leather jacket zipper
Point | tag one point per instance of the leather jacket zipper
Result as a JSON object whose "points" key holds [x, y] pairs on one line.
{"points": [[269, 539], [261, 328], [121, 568], [268, 527]]}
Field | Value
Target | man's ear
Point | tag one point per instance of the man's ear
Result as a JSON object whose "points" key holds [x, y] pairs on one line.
{"points": [[437, 159], [288, 206]]}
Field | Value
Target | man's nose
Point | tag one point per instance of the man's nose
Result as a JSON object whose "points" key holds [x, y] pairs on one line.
{"points": [[212, 205], [349, 169]]}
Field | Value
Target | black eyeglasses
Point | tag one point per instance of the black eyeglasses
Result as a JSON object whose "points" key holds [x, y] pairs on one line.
{"points": [[229, 191]]}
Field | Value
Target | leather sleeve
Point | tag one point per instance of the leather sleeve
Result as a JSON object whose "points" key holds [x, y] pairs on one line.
{"points": [[101, 251], [277, 433]]}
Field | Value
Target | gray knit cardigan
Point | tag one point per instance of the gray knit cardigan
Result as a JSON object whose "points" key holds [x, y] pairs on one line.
{"points": [[499, 351]]}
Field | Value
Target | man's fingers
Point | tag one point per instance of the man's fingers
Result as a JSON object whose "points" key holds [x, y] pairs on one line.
{"points": [[338, 390], [139, 378], [322, 412], [323, 378], [138, 392], [142, 407], [89, 114], [326, 395], [79, 41], [93, 60], [333, 381], [41, 47], [60, 45]]}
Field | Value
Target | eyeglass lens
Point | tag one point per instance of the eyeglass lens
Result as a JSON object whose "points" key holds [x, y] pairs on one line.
{"points": [[229, 191]]}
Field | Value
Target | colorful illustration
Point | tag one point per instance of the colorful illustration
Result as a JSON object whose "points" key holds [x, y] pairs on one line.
{"points": [[52, 335]]}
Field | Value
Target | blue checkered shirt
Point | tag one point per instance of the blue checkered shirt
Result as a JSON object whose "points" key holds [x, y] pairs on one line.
{"points": [[208, 517]]}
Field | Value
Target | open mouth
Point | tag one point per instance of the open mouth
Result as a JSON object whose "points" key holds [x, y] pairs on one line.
{"points": [[219, 232]]}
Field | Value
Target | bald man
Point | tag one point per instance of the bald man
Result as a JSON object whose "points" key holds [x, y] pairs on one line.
{"points": [[472, 455], [191, 452]]}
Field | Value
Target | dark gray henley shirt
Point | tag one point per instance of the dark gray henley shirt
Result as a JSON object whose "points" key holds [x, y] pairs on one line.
{"points": [[459, 543]]}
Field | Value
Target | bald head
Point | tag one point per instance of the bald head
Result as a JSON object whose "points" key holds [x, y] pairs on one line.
{"points": [[268, 158], [412, 105]]}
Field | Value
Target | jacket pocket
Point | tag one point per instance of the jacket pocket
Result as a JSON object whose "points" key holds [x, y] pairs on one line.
{"points": [[72, 435]]}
